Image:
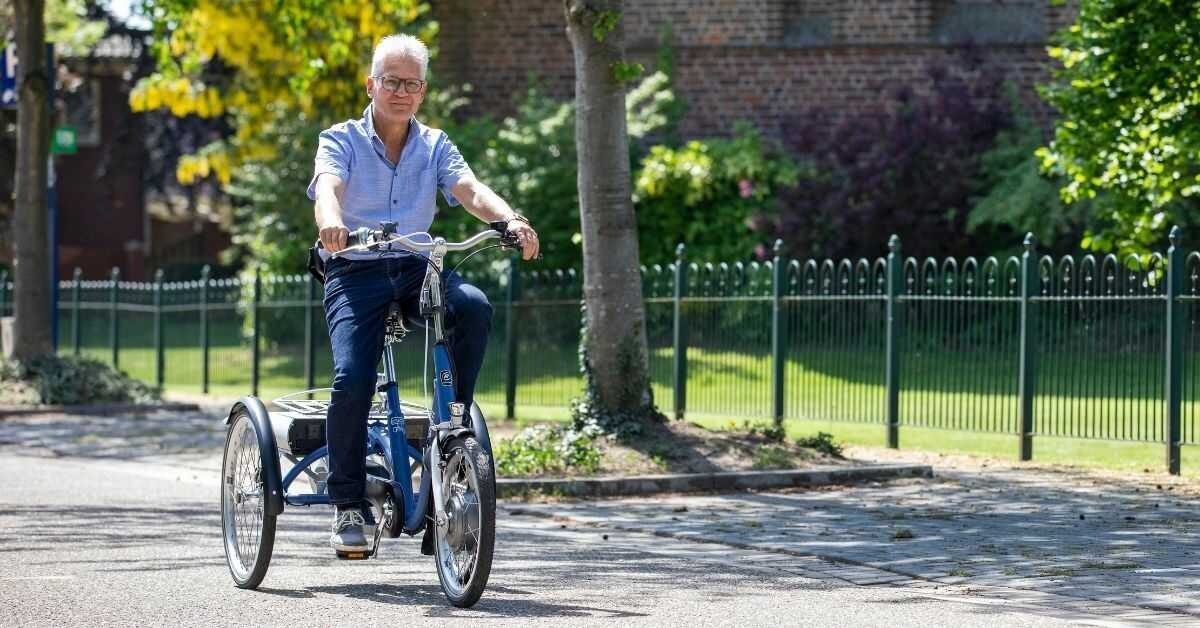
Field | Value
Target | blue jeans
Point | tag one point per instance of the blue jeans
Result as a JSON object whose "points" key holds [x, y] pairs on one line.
{"points": [[357, 296]]}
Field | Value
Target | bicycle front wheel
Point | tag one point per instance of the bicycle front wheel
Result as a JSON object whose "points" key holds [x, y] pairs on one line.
{"points": [[463, 546], [248, 530]]}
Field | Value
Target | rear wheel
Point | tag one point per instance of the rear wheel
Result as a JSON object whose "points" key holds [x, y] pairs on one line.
{"points": [[463, 546], [248, 530]]}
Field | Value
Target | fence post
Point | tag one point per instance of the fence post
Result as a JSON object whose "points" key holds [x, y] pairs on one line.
{"points": [[114, 324], [778, 342], [510, 339], [895, 329], [204, 341], [1173, 393], [1028, 356], [159, 375], [679, 333], [76, 291], [310, 376], [254, 313], [4, 293]]}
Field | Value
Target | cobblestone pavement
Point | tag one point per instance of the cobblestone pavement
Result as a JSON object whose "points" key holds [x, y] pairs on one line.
{"points": [[1024, 536]]}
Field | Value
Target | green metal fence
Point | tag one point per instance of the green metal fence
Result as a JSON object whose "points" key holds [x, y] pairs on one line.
{"points": [[1084, 347]]}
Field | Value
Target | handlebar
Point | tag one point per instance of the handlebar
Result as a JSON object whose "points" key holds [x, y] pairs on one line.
{"points": [[364, 239]]}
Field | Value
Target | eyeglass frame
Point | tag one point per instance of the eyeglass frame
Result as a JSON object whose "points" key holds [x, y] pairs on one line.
{"points": [[403, 82]]}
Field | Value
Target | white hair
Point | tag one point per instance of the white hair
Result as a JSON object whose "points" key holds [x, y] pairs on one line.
{"points": [[401, 45]]}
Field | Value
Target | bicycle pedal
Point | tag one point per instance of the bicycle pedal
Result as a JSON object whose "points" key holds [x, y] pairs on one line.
{"points": [[356, 555]]}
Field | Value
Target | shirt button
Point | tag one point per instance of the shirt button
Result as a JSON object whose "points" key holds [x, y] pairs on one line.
{"points": [[394, 202]]}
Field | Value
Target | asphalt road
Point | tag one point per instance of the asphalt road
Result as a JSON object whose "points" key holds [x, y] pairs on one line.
{"points": [[110, 541], [114, 521]]}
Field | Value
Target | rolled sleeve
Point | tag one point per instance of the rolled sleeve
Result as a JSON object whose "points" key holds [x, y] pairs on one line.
{"points": [[333, 157], [451, 168]]}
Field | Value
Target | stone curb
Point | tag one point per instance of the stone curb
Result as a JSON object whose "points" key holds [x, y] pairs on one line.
{"points": [[705, 482], [97, 409]]}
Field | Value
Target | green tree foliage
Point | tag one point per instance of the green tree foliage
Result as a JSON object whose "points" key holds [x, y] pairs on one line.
{"points": [[1127, 91], [530, 160], [73, 26], [1015, 197], [704, 194]]}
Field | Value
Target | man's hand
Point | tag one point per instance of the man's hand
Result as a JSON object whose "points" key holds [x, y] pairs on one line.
{"points": [[526, 237], [333, 237]]}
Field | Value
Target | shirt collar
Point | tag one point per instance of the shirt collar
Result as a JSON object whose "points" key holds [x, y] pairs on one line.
{"points": [[369, 122]]}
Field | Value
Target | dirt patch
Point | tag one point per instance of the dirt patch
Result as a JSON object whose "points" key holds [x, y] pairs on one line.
{"points": [[685, 447]]}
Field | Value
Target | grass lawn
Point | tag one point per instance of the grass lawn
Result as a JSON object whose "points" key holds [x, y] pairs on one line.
{"points": [[944, 394]]}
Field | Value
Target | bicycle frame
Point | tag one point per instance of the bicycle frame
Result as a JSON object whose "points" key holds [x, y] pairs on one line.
{"points": [[389, 436]]}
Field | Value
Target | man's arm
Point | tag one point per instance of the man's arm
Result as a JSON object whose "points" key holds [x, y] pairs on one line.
{"points": [[328, 212], [487, 206]]}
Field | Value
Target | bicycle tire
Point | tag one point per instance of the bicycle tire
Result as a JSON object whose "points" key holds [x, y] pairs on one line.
{"points": [[468, 486], [248, 531]]}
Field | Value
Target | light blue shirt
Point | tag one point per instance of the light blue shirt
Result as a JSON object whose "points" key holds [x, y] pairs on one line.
{"points": [[377, 189]]}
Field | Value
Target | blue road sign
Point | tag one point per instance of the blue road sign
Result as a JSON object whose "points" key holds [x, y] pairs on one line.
{"points": [[8, 77]]}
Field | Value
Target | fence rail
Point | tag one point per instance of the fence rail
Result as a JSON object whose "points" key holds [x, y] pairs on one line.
{"points": [[1082, 347]]}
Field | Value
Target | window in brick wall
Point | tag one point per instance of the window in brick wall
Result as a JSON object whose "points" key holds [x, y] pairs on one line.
{"points": [[1011, 21], [807, 22], [80, 98]]}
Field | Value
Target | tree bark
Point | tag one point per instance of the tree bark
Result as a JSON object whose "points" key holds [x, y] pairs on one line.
{"points": [[612, 284], [31, 329]]}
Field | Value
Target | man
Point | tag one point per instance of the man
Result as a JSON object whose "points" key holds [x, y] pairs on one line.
{"points": [[387, 166]]}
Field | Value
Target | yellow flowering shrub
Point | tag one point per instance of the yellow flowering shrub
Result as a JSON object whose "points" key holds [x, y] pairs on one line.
{"points": [[259, 62]]}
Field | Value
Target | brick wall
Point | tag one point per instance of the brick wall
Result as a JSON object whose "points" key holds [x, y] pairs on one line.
{"points": [[706, 23], [761, 60]]}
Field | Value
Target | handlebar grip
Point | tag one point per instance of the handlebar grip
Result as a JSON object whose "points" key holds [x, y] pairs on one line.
{"points": [[507, 240], [354, 238]]}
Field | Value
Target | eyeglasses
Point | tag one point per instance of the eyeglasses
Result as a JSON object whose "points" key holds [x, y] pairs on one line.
{"points": [[394, 85]]}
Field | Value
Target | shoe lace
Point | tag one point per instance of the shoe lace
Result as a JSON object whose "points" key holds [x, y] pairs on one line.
{"points": [[346, 519]]}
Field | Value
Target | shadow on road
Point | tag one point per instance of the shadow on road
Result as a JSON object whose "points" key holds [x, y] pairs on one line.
{"points": [[1138, 547], [128, 436], [536, 568]]}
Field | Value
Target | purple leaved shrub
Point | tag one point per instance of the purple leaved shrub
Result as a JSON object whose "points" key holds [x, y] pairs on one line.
{"points": [[907, 166]]}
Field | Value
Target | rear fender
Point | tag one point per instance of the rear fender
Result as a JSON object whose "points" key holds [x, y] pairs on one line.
{"points": [[272, 478]]}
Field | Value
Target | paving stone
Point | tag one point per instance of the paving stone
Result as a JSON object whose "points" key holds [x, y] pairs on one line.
{"points": [[1016, 530]]}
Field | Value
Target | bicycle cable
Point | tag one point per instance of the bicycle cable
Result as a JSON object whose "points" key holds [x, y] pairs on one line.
{"points": [[475, 252]]}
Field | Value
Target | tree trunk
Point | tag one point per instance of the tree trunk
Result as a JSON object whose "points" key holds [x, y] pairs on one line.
{"points": [[612, 285], [31, 329]]}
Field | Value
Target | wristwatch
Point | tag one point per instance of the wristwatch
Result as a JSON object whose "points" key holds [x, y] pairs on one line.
{"points": [[521, 218]]}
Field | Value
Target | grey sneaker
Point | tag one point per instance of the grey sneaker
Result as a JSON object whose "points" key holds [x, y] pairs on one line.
{"points": [[351, 531]]}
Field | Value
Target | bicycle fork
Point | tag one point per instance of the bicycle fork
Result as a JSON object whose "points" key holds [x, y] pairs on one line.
{"points": [[449, 414]]}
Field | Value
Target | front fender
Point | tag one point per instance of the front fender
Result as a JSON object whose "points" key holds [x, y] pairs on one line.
{"points": [[445, 436], [272, 479], [479, 426]]}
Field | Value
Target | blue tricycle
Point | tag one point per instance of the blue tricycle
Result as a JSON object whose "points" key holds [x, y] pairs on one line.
{"points": [[425, 466]]}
